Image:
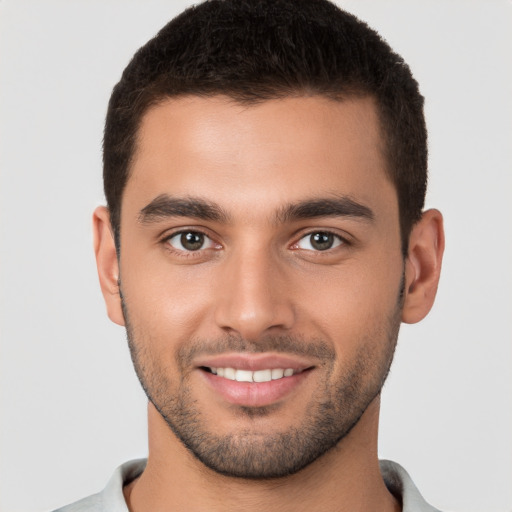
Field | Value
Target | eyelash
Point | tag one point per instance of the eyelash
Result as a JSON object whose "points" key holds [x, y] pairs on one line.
{"points": [[184, 253], [342, 241]]}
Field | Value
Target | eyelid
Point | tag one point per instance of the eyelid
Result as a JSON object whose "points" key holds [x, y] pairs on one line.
{"points": [[343, 239], [169, 235]]}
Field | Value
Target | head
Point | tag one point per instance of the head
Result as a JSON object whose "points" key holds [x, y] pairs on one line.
{"points": [[265, 169], [253, 51]]}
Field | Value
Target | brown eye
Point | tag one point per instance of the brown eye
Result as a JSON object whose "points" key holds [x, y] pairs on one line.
{"points": [[190, 241], [319, 241]]}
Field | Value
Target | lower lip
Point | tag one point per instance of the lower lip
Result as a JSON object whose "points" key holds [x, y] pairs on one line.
{"points": [[254, 394]]}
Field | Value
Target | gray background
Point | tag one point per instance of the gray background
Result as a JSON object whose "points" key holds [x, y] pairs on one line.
{"points": [[71, 407]]}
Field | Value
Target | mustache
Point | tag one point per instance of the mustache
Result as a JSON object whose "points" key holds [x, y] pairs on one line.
{"points": [[285, 344]]}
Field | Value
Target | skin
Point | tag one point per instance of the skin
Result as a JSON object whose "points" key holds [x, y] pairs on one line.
{"points": [[260, 279]]}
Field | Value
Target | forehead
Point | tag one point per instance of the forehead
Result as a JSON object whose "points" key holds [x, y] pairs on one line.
{"points": [[260, 155]]}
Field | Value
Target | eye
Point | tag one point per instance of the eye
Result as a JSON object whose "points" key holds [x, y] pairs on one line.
{"points": [[319, 241], [190, 241]]}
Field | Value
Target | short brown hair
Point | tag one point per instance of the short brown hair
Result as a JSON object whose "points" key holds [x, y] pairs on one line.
{"points": [[255, 50]]}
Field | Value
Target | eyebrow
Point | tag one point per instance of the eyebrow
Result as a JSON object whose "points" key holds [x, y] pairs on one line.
{"points": [[340, 206], [165, 206]]}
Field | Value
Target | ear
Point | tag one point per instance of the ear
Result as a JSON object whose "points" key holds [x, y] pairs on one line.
{"points": [[107, 263], [423, 266]]}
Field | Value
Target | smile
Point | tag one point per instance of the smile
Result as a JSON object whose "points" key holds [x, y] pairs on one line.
{"points": [[265, 375], [254, 388], [254, 380]]}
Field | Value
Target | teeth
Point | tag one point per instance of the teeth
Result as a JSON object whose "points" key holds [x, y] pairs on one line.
{"points": [[257, 376], [243, 376], [262, 376], [229, 373], [277, 373]]}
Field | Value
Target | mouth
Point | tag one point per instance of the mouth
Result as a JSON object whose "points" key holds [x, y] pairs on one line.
{"points": [[254, 380], [265, 375]]}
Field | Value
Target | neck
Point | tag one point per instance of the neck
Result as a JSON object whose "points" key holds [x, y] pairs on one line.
{"points": [[346, 478]]}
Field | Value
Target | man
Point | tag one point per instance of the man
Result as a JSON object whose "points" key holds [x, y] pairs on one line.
{"points": [[265, 174]]}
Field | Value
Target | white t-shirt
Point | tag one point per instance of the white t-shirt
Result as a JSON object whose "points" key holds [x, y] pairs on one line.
{"points": [[111, 499]]}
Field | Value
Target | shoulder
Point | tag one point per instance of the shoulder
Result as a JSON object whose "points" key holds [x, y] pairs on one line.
{"points": [[400, 484], [90, 504], [111, 499]]}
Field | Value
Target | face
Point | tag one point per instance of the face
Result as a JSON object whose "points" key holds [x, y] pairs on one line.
{"points": [[261, 275]]}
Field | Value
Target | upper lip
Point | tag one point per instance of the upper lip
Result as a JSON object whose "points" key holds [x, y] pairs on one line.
{"points": [[254, 362]]}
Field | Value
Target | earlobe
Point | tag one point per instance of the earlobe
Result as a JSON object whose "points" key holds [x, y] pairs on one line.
{"points": [[107, 263], [423, 266]]}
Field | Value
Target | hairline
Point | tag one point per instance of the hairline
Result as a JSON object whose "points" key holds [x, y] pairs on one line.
{"points": [[308, 92]]}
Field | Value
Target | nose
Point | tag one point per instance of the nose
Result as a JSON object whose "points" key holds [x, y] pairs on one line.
{"points": [[253, 295]]}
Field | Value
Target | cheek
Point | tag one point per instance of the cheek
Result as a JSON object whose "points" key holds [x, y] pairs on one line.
{"points": [[350, 303], [165, 302]]}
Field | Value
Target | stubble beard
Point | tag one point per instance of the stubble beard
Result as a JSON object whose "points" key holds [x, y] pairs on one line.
{"points": [[334, 409]]}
